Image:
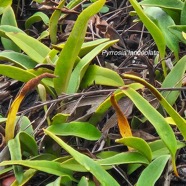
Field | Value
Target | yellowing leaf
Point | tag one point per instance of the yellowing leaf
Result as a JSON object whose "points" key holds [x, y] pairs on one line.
{"points": [[123, 124], [184, 35], [30, 85]]}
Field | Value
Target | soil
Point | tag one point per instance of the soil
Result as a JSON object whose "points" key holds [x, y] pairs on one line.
{"points": [[133, 37]]}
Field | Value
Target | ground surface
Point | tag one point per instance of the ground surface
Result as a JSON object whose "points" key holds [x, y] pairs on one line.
{"points": [[115, 24]]}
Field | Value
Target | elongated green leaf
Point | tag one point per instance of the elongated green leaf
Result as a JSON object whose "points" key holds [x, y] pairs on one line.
{"points": [[54, 22], [83, 182], [22, 143], [32, 47], [177, 31], [163, 21], [59, 118], [73, 165], [8, 18], [154, 31], [183, 15], [50, 167], [151, 27], [38, 16], [28, 143], [15, 152], [124, 158], [93, 167], [168, 4], [156, 167], [24, 76], [88, 46], [138, 144], [57, 182], [25, 125], [82, 66], [73, 3], [162, 127], [180, 122], [8, 28], [101, 76], [69, 54], [80, 129], [158, 148], [174, 79], [27, 175], [4, 4], [18, 58], [12, 72], [3, 120], [184, 35], [43, 35]]}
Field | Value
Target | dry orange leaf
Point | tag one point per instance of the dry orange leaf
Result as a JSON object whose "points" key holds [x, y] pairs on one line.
{"points": [[123, 124], [29, 86]]}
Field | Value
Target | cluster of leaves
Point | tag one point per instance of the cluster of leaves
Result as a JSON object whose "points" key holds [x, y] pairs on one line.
{"points": [[72, 71]]}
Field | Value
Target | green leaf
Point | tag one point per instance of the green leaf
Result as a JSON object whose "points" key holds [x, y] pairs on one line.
{"points": [[18, 58], [26, 43], [157, 120], [156, 167], [151, 27], [93, 167], [25, 125], [28, 143], [88, 46], [38, 16], [168, 4], [174, 80], [177, 31], [68, 55], [8, 28], [80, 129], [2, 120], [8, 18], [59, 118], [101, 76], [138, 144], [4, 4], [180, 122], [184, 35], [27, 175], [83, 182], [43, 35], [159, 148], [183, 15], [15, 153], [50, 167], [24, 76], [82, 66], [23, 143], [124, 158], [163, 21], [104, 10], [73, 165], [11, 72], [53, 23]]}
